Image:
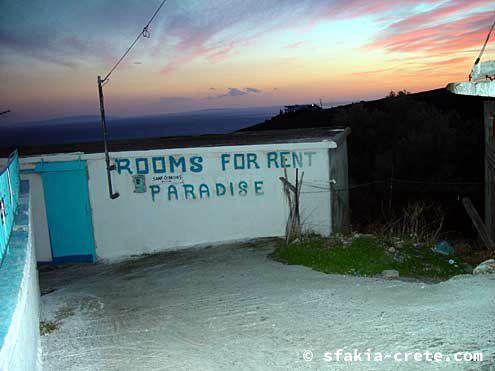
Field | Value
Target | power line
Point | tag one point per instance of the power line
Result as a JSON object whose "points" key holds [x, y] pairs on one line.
{"points": [[435, 183], [325, 186], [144, 33], [111, 167], [486, 42], [484, 46]]}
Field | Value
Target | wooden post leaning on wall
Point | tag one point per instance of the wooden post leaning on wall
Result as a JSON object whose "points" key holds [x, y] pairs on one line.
{"points": [[478, 223], [293, 193], [489, 113], [339, 194], [341, 212]]}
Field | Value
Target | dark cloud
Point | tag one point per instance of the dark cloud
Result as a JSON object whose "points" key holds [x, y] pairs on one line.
{"points": [[60, 32], [235, 92], [253, 90], [68, 51]]}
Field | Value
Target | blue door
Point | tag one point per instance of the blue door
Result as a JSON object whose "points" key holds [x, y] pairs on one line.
{"points": [[68, 211]]}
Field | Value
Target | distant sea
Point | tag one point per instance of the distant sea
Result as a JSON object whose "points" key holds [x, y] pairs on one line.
{"points": [[78, 129]]}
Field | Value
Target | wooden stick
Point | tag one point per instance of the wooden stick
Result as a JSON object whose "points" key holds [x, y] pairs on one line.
{"points": [[298, 186], [294, 220], [288, 226], [296, 203], [288, 185], [478, 223]]}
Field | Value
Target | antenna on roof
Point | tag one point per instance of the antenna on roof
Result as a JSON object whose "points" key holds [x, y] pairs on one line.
{"points": [[101, 82], [482, 77], [481, 69]]}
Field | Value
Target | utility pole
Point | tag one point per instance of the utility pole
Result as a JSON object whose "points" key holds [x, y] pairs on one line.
{"points": [[144, 33], [109, 167]]}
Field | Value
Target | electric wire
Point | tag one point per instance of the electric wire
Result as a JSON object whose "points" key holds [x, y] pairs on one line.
{"points": [[144, 33], [324, 186], [482, 51]]}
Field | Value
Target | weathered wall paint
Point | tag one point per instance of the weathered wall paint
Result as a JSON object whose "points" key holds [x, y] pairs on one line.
{"points": [[204, 195], [339, 184], [168, 174], [183, 197], [9, 193], [40, 227]]}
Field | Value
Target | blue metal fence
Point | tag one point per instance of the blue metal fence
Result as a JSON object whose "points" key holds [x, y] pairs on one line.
{"points": [[9, 195]]}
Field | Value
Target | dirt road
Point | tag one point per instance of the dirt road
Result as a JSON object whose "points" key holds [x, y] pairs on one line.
{"points": [[233, 308]]}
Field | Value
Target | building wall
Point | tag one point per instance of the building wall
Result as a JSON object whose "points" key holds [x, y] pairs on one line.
{"points": [[248, 203], [162, 219], [20, 347], [40, 228], [490, 167], [339, 180]]}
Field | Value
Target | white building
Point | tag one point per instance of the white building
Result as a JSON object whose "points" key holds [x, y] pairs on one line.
{"points": [[182, 192]]}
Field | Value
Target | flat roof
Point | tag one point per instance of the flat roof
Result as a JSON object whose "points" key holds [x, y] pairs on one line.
{"points": [[336, 135], [484, 88]]}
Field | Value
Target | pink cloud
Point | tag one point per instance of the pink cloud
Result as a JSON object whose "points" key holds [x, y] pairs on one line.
{"points": [[451, 62], [439, 13], [355, 8], [468, 32], [433, 31], [186, 55], [369, 73], [222, 53], [177, 62]]}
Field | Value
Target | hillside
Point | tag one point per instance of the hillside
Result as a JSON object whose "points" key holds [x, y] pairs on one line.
{"points": [[426, 146]]}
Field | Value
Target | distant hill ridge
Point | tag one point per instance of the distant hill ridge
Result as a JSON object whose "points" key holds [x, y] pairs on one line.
{"points": [[429, 145], [468, 107]]}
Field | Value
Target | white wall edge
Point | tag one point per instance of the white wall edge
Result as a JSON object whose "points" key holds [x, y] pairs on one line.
{"points": [[31, 160], [19, 326]]}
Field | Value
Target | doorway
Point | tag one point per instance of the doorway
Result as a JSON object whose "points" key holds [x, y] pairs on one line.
{"points": [[68, 211]]}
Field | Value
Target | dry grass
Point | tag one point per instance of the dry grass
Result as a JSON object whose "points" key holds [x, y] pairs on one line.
{"points": [[418, 222], [47, 327]]}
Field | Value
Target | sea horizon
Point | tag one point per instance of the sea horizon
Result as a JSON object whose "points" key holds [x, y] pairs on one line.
{"points": [[87, 128]]}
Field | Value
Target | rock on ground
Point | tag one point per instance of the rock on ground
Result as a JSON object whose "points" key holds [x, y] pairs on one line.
{"points": [[390, 274], [486, 267]]}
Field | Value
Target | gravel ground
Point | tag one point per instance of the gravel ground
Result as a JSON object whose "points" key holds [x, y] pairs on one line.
{"points": [[233, 308]]}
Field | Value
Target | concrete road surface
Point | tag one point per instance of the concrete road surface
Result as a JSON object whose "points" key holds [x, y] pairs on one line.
{"points": [[233, 308]]}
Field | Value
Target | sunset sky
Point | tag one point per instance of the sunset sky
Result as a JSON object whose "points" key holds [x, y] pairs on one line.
{"points": [[230, 53]]}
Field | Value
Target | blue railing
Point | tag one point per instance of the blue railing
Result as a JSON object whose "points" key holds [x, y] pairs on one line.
{"points": [[9, 195]]}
